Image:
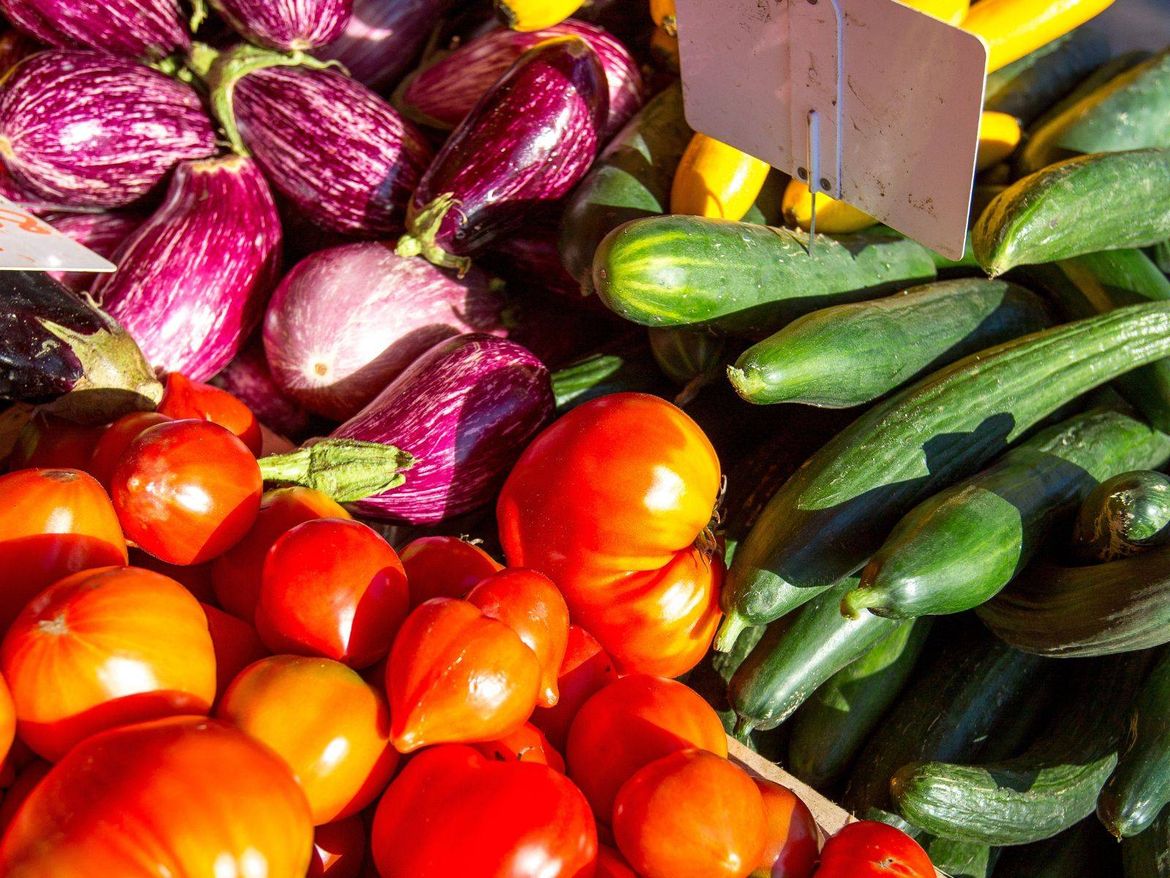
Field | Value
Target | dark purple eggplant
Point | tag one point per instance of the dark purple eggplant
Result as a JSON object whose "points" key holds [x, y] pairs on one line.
{"points": [[135, 28], [61, 350], [442, 94], [465, 410], [248, 378], [103, 233], [287, 25], [530, 261], [90, 129], [527, 143], [193, 280]]}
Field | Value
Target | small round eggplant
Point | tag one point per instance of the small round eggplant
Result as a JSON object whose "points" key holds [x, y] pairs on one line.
{"points": [[287, 25], [134, 28]]}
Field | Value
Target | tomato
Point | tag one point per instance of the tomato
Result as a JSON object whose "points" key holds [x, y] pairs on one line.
{"points": [[453, 812], [48, 441], [326, 722], [184, 398], [444, 567], [611, 865], [339, 849], [869, 849], [108, 451], [7, 720], [457, 675], [612, 503], [186, 491], [690, 814], [586, 669], [791, 840], [53, 522], [196, 578], [526, 744], [334, 588], [185, 797], [235, 642], [236, 574], [632, 722], [102, 648], [24, 784]]}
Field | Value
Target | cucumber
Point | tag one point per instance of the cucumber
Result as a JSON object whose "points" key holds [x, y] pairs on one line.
{"points": [[1148, 855], [689, 359], [603, 373], [789, 664], [961, 547], [630, 180], [1102, 76], [1162, 256], [1086, 204], [838, 508], [1045, 790], [952, 268], [829, 728], [1084, 849], [1124, 516], [739, 278], [849, 355]]}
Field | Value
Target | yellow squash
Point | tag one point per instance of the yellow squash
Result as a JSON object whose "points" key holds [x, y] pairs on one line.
{"points": [[950, 11], [716, 180], [833, 217], [1015, 28], [662, 11], [999, 135], [528, 15]]}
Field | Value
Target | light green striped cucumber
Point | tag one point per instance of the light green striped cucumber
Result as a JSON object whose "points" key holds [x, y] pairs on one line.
{"points": [[1099, 78]]}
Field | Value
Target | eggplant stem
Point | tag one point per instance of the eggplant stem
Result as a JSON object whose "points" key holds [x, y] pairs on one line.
{"points": [[347, 470], [422, 228], [198, 14]]}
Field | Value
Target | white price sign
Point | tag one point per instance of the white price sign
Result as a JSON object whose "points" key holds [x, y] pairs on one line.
{"points": [[31, 244]]}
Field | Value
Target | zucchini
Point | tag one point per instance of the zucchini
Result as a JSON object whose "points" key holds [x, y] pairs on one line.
{"points": [[838, 508], [1102, 76], [1148, 855], [1123, 198], [689, 359], [959, 548], [709, 678], [1042, 792], [849, 355], [630, 180], [1084, 849], [1031, 85], [688, 271], [829, 728], [1123, 516], [602, 373]]}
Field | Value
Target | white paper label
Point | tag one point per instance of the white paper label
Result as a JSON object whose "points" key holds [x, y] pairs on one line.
{"points": [[31, 244]]}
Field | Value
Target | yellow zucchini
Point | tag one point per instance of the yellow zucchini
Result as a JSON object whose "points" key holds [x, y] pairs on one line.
{"points": [[529, 15], [999, 135], [716, 180], [662, 11], [1015, 28], [833, 217], [950, 11]]}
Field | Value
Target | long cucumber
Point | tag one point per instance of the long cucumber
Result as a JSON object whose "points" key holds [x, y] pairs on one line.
{"points": [[1123, 516], [1148, 855]]}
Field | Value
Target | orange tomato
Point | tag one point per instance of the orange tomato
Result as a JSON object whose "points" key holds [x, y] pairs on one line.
{"points": [[585, 670], [235, 642], [444, 567], [103, 648], [325, 721], [184, 398], [339, 849], [7, 720], [185, 797], [869, 849], [50, 442], [108, 451], [24, 784], [526, 744], [791, 837]]}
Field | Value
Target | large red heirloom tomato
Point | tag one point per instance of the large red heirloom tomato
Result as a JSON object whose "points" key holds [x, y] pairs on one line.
{"points": [[869, 849]]}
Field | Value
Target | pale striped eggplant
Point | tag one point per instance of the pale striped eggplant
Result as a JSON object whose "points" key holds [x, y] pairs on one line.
{"points": [[103, 233], [248, 378], [135, 28], [89, 129], [465, 410], [526, 144], [286, 25], [192, 282]]}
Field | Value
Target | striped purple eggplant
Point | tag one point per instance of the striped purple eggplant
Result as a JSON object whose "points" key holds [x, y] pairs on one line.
{"points": [[103, 233], [248, 378], [135, 28], [383, 39], [89, 129], [465, 410], [445, 92], [346, 321], [193, 280], [527, 143], [287, 25]]}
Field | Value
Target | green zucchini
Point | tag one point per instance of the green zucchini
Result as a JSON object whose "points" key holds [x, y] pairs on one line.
{"points": [[630, 180], [829, 728], [1028, 87], [1102, 76], [1084, 849], [602, 373], [1124, 516], [709, 678], [961, 547], [1042, 792], [1148, 855], [852, 354], [739, 278], [839, 507], [1086, 204]]}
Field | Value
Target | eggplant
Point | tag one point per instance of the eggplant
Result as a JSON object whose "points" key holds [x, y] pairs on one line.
{"points": [[287, 25], [134, 28], [249, 379], [88, 129], [527, 143], [61, 350], [193, 280], [444, 93], [103, 233], [15, 46], [530, 260], [465, 409]]}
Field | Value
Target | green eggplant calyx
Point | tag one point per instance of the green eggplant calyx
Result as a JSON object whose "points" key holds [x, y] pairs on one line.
{"points": [[347, 470], [422, 228]]}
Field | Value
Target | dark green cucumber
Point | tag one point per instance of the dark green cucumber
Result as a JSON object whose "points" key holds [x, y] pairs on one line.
{"points": [[1028, 87], [791, 663], [630, 180], [603, 373], [1084, 850], [1124, 516], [688, 271], [1108, 201], [833, 724], [1042, 792], [1148, 855], [852, 354], [826, 521], [961, 547], [1100, 77]]}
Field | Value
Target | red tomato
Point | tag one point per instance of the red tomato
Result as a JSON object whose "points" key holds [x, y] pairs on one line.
{"points": [[610, 503], [526, 744], [184, 398], [186, 797], [186, 491], [196, 578], [454, 812], [456, 675], [586, 669], [236, 645], [611, 865], [48, 441], [53, 522], [868, 849], [530, 605], [103, 648], [791, 840], [7, 720], [236, 574], [334, 588], [339, 849], [24, 784], [112, 445], [444, 567], [630, 723], [325, 721]]}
